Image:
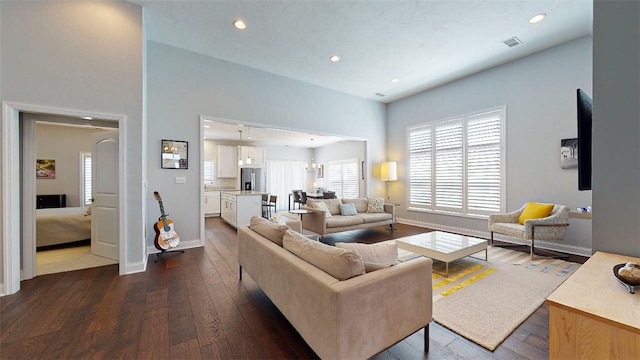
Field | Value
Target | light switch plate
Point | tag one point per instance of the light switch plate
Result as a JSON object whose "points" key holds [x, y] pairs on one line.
{"points": [[181, 179]]}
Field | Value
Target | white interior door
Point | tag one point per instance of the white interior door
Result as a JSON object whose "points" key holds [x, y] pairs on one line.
{"points": [[105, 241]]}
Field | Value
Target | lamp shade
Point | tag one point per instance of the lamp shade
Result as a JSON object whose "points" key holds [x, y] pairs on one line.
{"points": [[388, 171]]}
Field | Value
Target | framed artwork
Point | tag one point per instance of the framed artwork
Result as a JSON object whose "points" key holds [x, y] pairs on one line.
{"points": [[174, 154], [320, 171], [45, 169], [569, 153]]}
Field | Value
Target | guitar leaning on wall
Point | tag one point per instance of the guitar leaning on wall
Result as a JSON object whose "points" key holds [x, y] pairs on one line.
{"points": [[166, 237]]}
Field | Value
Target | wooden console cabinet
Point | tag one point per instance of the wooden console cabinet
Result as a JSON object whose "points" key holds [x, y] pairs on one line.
{"points": [[593, 316], [51, 201]]}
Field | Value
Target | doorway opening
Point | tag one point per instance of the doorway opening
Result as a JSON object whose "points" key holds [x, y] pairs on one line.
{"points": [[19, 188]]}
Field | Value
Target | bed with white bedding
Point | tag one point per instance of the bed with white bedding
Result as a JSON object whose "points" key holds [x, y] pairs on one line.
{"points": [[62, 225]]}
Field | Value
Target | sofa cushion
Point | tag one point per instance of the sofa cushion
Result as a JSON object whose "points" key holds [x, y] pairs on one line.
{"points": [[348, 209], [342, 264], [374, 256], [374, 217], [340, 221], [268, 229], [509, 229], [375, 205], [333, 205], [360, 203]]}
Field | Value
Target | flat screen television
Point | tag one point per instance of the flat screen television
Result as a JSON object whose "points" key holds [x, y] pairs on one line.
{"points": [[584, 140]]}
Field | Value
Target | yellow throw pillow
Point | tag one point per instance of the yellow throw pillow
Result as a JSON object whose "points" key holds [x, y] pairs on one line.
{"points": [[535, 211]]}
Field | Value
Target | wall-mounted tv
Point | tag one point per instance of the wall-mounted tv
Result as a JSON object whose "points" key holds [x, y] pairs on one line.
{"points": [[584, 140]]}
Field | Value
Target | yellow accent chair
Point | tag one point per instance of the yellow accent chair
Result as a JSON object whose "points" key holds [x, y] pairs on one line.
{"points": [[533, 221]]}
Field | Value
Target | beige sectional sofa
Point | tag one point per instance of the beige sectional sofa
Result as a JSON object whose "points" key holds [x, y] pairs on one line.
{"points": [[349, 319], [321, 224]]}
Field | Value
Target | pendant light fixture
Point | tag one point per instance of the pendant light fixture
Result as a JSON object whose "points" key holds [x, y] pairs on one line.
{"points": [[249, 158], [240, 159]]}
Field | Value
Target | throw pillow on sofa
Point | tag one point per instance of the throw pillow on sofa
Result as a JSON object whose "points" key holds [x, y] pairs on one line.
{"points": [[268, 229], [374, 256], [319, 205], [342, 264], [348, 209], [375, 205]]}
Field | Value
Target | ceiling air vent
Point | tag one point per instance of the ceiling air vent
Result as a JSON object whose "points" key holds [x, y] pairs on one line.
{"points": [[511, 42], [379, 94]]}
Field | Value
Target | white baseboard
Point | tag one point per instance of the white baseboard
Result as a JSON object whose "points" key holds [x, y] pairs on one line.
{"points": [[555, 246], [188, 244], [136, 267]]}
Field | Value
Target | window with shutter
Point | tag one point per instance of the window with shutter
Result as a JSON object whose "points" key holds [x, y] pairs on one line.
{"points": [[85, 178], [208, 171], [457, 165], [343, 178]]}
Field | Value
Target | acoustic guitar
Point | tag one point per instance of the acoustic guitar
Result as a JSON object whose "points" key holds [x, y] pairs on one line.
{"points": [[166, 237]]}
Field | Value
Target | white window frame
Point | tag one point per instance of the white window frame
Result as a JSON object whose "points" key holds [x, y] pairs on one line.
{"points": [[463, 210], [209, 176], [82, 197], [340, 190]]}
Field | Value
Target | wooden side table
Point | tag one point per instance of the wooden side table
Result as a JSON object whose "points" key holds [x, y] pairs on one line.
{"points": [[592, 315]]}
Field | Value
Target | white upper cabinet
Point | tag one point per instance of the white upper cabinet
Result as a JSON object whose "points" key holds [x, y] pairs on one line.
{"points": [[227, 161]]}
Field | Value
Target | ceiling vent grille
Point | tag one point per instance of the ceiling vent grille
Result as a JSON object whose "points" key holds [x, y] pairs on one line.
{"points": [[379, 94], [511, 42]]}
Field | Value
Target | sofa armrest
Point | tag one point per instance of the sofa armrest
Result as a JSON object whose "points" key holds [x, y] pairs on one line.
{"points": [[316, 221], [390, 209], [364, 305]]}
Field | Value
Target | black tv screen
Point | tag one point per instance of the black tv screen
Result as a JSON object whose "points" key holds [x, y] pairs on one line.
{"points": [[584, 140]]}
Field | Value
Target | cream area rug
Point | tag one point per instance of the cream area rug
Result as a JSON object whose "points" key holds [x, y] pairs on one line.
{"points": [[68, 259], [485, 301]]}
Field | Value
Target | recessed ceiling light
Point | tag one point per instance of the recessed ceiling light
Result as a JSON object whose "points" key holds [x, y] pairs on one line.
{"points": [[86, 117], [395, 80], [249, 137], [239, 24], [334, 58], [207, 126], [537, 18]]}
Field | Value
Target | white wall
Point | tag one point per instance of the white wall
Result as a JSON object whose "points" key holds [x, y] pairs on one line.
{"points": [[63, 144], [83, 56], [539, 92], [183, 85], [616, 127]]}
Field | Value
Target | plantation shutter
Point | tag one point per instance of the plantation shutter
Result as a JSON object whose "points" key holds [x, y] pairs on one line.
{"points": [[208, 172], [484, 163], [448, 164], [86, 178], [420, 167], [335, 177], [350, 179]]}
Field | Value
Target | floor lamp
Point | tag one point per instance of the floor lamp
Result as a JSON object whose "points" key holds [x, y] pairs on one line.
{"points": [[389, 173]]}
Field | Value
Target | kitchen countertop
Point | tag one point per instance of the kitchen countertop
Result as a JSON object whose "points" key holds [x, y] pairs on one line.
{"points": [[242, 192]]}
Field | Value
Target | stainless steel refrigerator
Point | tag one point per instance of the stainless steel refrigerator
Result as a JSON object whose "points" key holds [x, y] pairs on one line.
{"points": [[252, 179]]}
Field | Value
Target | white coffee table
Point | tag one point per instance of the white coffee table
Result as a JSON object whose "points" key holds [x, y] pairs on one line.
{"points": [[442, 246]]}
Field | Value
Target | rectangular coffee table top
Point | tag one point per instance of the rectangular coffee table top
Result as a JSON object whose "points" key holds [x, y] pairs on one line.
{"points": [[442, 246]]}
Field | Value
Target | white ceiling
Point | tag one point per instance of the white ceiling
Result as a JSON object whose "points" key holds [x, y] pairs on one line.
{"points": [[422, 43]]}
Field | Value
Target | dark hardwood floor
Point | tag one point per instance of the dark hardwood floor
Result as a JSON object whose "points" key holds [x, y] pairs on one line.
{"points": [[192, 306]]}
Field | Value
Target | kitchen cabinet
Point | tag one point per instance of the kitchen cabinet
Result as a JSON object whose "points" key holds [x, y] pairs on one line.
{"points": [[211, 203], [227, 161], [237, 207], [257, 153]]}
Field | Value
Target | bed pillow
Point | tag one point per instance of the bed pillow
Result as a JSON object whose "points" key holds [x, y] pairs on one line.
{"points": [[348, 209], [268, 229], [374, 256], [375, 205], [342, 264]]}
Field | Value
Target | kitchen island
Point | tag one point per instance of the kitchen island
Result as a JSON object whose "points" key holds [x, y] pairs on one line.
{"points": [[237, 207]]}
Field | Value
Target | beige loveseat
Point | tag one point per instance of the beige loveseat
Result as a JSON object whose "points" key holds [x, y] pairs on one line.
{"points": [[350, 319], [319, 223]]}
